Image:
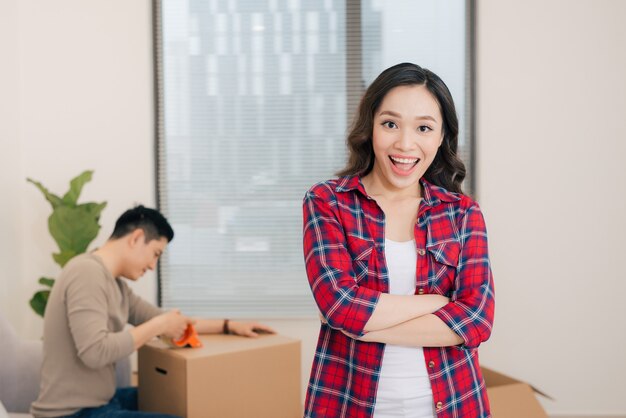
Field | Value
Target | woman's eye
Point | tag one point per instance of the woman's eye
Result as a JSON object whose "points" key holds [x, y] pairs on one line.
{"points": [[424, 128], [389, 124]]}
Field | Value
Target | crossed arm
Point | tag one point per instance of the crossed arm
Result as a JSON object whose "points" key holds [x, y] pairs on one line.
{"points": [[389, 324], [425, 331], [407, 321]]}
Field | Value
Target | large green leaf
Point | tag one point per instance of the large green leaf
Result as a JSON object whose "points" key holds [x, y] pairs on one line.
{"points": [[39, 302], [64, 256], [54, 200], [73, 228], [94, 208], [46, 281], [76, 186]]}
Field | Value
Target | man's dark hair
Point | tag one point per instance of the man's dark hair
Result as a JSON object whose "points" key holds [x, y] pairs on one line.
{"points": [[151, 221]]}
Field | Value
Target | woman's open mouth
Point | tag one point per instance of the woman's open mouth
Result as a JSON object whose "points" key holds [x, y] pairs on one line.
{"points": [[403, 165]]}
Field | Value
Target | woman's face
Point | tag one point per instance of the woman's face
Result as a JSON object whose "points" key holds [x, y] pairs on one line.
{"points": [[406, 135]]}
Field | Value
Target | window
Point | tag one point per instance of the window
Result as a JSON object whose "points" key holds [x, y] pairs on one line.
{"points": [[254, 100]]}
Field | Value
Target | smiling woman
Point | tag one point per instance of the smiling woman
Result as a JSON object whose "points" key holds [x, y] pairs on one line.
{"points": [[396, 257]]}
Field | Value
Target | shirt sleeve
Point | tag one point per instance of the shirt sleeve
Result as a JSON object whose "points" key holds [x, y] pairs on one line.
{"points": [[345, 305], [86, 304], [140, 310], [471, 308]]}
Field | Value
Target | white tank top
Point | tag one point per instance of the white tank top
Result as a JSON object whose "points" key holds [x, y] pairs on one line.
{"points": [[403, 387]]}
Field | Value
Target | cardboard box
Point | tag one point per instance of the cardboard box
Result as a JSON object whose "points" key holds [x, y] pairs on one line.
{"points": [[512, 398], [230, 376]]}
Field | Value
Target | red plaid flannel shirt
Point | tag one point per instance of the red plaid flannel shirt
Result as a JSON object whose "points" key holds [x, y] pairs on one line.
{"points": [[344, 255]]}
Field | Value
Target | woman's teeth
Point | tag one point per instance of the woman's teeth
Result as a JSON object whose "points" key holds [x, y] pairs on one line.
{"points": [[404, 160]]}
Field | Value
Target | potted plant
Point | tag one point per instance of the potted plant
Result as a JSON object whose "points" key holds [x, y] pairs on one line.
{"points": [[72, 225]]}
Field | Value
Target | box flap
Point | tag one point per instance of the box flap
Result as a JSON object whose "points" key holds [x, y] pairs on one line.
{"points": [[515, 400], [493, 378], [496, 379]]}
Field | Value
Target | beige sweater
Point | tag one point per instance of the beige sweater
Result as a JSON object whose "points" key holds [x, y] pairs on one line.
{"points": [[84, 336]]}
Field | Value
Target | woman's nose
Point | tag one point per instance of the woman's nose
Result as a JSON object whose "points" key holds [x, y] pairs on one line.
{"points": [[406, 140]]}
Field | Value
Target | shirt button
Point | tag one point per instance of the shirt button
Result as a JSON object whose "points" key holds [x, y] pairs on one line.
{"points": [[439, 405], [421, 251], [431, 364], [420, 291]]}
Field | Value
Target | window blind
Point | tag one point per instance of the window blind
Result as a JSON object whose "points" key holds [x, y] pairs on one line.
{"points": [[254, 99]]}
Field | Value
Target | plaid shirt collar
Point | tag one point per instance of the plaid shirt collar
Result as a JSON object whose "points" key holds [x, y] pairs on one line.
{"points": [[433, 195]]}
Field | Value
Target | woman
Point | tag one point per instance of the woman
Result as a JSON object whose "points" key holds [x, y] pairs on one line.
{"points": [[396, 257]]}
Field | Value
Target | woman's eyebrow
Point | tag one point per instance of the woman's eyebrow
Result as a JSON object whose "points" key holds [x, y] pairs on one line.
{"points": [[397, 115], [427, 117], [390, 113]]}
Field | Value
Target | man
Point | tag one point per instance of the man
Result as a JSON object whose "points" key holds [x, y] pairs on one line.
{"points": [[86, 315]]}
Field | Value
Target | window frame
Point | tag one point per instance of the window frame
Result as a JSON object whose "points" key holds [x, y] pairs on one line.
{"points": [[354, 83]]}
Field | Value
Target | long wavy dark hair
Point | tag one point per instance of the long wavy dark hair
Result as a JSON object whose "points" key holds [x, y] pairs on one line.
{"points": [[447, 170]]}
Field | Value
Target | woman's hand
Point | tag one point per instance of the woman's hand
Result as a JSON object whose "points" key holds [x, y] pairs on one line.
{"points": [[249, 329]]}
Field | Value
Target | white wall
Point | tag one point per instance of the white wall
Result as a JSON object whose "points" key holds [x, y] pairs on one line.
{"points": [[10, 244], [82, 99], [76, 85], [552, 140]]}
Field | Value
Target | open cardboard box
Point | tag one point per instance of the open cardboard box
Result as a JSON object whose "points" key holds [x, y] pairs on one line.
{"points": [[229, 377], [512, 398]]}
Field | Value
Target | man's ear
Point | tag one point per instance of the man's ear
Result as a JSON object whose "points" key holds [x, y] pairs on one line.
{"points": [[136, 237]]}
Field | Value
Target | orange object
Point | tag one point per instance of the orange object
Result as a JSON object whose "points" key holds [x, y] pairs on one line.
{"points": [[189, 338]]}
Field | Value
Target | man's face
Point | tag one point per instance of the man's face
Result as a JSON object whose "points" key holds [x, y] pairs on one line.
{"points": [[142, 256]]}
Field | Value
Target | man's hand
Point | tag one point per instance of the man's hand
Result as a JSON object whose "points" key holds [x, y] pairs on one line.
{"points": [[173, 324], [249, 329], [169, 324]]}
